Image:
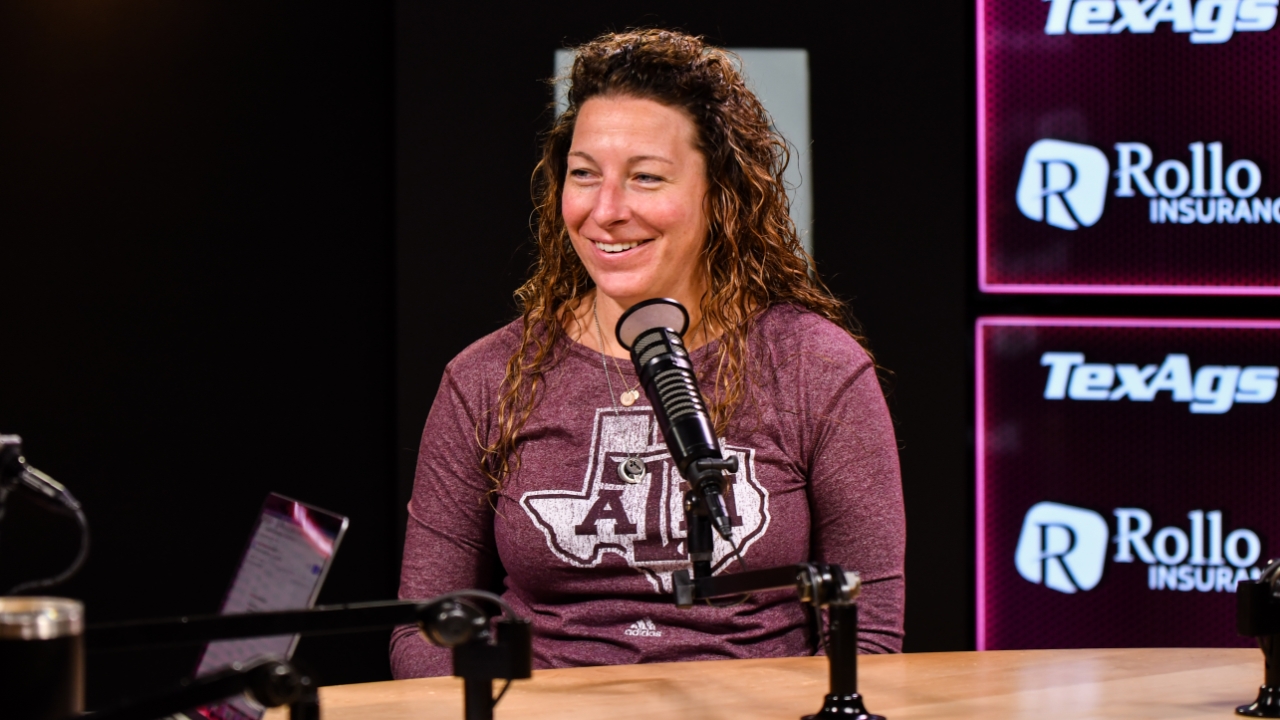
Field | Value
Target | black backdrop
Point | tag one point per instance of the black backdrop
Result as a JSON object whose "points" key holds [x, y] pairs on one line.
{"points": [[239, 242], [196, 236]]}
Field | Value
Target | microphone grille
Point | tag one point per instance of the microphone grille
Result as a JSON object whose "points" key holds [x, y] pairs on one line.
{"points": [[679, 394], [651, 345]]}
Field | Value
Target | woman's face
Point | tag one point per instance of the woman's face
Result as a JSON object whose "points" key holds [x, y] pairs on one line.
{"points": [[633, 200]]}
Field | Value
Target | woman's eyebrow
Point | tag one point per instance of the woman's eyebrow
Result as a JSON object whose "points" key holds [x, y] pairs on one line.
{"points": [[640, 158], [630, 161]]}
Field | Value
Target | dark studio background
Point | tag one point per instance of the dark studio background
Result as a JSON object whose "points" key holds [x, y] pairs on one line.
{"points": [[239, 243]]}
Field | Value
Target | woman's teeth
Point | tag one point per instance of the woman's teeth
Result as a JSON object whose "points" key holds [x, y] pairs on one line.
{"points": [[616, 247]]}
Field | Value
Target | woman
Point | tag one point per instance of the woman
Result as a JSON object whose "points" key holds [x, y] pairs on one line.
{"points": [[663, 178]]}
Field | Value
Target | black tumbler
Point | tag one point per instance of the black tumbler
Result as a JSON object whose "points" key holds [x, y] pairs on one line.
{"points": [[41, 658]]}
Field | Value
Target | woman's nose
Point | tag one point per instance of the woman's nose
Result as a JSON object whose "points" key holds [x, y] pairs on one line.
{"points": [[611, 205]]}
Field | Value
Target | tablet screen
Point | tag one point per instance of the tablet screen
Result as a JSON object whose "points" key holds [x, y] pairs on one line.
{"points": [[283, 568]]}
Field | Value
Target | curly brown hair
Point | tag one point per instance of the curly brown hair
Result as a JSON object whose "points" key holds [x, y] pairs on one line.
{"points": [[752, 258]]}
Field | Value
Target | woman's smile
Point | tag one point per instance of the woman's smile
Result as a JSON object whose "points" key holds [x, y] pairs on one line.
{"points": [[617, 247]]}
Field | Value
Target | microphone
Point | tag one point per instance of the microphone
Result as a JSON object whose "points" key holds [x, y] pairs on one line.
{"points": [[653, 331]]}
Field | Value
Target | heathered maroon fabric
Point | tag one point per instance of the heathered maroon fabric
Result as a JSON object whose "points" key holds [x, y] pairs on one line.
{"points": [[589, 557]]}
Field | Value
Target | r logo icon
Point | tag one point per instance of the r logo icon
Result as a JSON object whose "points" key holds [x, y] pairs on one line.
{"points": [[1061, 546], [1064, 184]]}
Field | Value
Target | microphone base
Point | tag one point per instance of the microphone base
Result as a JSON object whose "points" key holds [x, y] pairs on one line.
{"points": [[1267, 705], [845, 707]]}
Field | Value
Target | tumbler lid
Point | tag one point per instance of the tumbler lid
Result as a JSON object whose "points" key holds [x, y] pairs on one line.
{"points": [[40, 618]]}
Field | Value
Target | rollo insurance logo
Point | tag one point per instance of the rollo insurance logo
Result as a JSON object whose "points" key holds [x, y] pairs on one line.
{"points": [[1064, 548], [1065, 185]]}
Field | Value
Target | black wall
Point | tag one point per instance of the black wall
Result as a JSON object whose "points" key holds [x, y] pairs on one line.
{"points": [[240, 241], [196, 277]]}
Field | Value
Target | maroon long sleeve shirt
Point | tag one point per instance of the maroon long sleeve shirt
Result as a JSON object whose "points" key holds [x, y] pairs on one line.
{"points": [[589, 555]]}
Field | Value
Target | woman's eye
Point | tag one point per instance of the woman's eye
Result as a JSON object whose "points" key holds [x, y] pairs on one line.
{"points": [[645, 178], [580, 174]]}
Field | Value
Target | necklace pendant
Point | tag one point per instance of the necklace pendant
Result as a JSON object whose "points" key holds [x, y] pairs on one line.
{"points": [[629, 397], [631, 470]]}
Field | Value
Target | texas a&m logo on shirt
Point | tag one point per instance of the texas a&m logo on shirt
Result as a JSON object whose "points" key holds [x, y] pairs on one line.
{"points": [[642, 522]]}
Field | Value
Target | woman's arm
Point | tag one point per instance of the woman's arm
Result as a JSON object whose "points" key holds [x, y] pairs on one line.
{"points": [[855, 488], [449, 538]]}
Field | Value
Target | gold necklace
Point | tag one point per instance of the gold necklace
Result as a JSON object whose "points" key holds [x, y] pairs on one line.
{"points": [[632, 469], [630, 395]]}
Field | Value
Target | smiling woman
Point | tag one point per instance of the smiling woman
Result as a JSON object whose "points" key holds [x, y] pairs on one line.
{"points": [[662, 178]]}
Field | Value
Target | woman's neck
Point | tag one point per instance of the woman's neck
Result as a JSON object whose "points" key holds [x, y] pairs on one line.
{"points": [[597, 306]]}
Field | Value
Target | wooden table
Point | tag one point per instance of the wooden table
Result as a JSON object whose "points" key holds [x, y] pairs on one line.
{"points": [[1127, 683]]}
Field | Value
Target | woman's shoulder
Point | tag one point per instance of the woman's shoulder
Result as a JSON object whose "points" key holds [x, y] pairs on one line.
{"points": [[489, 354], [788, 331]]}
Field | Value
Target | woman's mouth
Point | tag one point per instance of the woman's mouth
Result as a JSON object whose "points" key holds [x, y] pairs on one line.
{"points": [[618, 247]]}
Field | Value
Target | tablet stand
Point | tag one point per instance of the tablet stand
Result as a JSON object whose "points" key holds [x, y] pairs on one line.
{"points": [[485, 649]]}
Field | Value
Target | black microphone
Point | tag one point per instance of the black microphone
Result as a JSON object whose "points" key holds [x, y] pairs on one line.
{"points": [[652, 330]]}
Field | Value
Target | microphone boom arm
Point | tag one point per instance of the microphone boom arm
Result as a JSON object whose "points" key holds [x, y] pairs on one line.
{"points": [[270, 682]]}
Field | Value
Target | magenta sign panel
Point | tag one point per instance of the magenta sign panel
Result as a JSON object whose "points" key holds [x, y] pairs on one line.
{"points": [[1129, 146], [1128, 475]]}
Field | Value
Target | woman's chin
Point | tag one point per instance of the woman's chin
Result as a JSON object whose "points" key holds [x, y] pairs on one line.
{"points": [[625, 282], [626, 294]]}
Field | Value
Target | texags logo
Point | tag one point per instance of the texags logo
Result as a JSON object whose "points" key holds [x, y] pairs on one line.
{"points": [[1062, 547], [1063, 183], [1209, 21], [1212, 390]]}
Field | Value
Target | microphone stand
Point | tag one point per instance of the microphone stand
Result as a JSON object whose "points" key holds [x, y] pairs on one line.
{"points": [[484, 648], [652, 331], [1258, 615], [821, 586]]}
